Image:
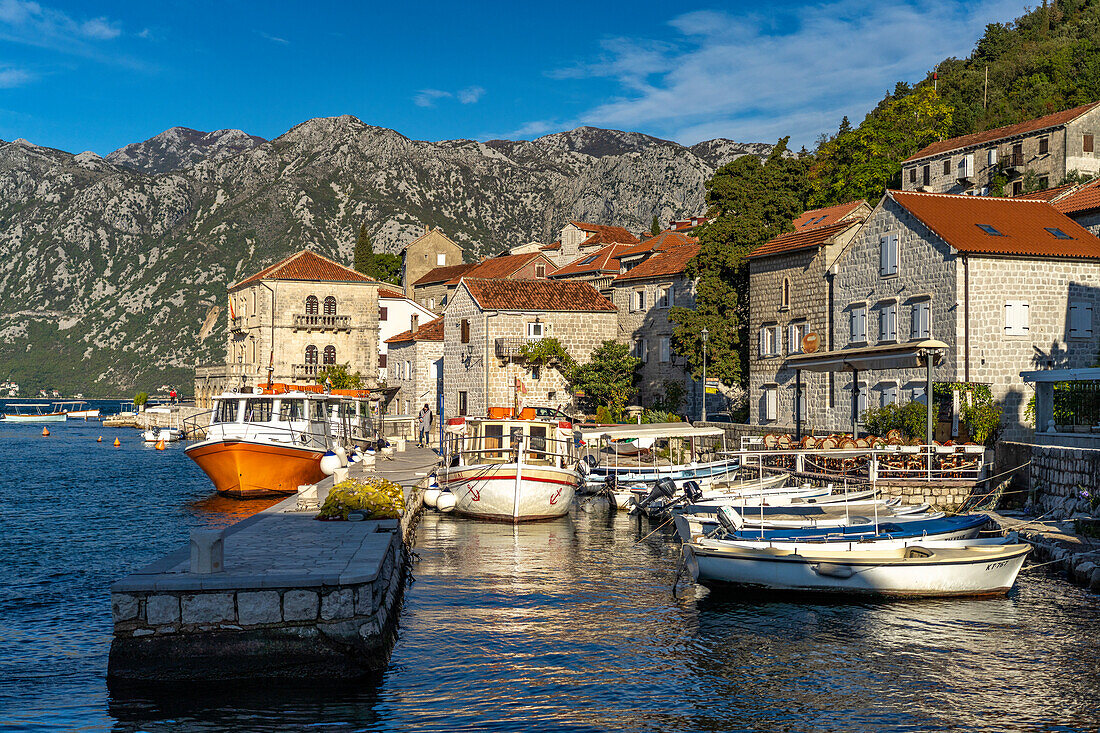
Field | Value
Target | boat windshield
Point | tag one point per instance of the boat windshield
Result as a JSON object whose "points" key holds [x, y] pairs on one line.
{"points": [[318, 411], [258, 410], [226, 411], [291, 410]]}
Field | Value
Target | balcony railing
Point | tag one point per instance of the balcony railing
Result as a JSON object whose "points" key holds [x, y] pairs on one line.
{"points": [[305, 370], [1012, 161], [509, 347], [317, 322], [237, 324]]}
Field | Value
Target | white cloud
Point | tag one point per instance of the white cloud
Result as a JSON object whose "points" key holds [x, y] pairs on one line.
{"points": [[274, 39], [755, 76], [23, 21], [100, 29], [470, 95], [11, 77]]}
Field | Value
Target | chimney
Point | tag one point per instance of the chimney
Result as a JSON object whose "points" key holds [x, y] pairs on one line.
{"points": [[414, 322]]}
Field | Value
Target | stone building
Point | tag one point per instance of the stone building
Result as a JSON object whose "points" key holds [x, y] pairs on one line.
{"points": [[396, 314], [297, 316], [581, 238], [598, 268], [1081, 203], [790, 282], [417, 368], [488, 321], [1049, 146], [433, 292], [430, 250], [1002, 285], [643, 295]]}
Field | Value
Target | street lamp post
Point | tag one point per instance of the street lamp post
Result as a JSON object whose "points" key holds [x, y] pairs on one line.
{"points": [[704, 334]]}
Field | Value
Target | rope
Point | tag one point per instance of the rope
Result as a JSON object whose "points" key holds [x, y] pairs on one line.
{"points": [[1051, 562], [664, 524]]}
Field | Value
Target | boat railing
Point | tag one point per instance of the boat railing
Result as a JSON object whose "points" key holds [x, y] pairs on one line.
{"points": [[200, 425], [891, 462], [536, 450]]}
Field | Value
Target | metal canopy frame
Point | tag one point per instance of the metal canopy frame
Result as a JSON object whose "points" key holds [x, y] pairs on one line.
{"points": [[910, 355]]}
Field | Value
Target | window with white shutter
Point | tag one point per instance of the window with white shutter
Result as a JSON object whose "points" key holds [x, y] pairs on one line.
{"points": [[644, 351], [666, 349], [920, 321], [795, 332], [1017, 318], [639, 300], [771, 403], [890, 394], [858, 324], [440, 259], [1080, 319], [888, 322], [888, 255], [769, 340]]}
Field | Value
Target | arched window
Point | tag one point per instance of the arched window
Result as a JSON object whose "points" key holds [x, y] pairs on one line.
{"points": [[311, 305], [311, 354], [786, 292], [330, 355], [330, 306]]}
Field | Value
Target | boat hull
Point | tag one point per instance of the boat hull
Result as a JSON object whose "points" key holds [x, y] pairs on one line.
{"points": [[245, 469], [509, 492], [989, 571], [35, 418]]}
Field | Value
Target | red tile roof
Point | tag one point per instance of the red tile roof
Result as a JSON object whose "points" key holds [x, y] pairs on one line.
{"points": [[443, 274], [663, 264], [494, 268], [816, 236], [685, 224], [1022, 224], [980, 138], [665, 240], [602, 260], [551, 247], [1085, 198], [603, 234], [1047, 194], [537, 295], [826, 216], [430, 331], [306, 265], [385, 292]]}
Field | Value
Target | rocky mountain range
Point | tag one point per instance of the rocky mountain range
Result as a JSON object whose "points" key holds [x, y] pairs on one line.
{"points": [[110, 266]]}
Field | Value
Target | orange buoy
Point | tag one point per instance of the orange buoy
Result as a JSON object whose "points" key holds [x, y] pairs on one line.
{"points": [[159, 445], [45, 432], [117, 442], [99, 439]]}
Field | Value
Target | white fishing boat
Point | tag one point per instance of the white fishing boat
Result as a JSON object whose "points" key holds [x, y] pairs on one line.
{"points": [[757, 492], [658, 450], [1011, 538], [267, 440], [77, 410], [509, 469], [913, 571], [32, 412], [697, 519], [168, 435]]}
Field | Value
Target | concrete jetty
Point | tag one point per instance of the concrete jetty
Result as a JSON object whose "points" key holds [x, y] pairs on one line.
{"points": [[297, 599]]}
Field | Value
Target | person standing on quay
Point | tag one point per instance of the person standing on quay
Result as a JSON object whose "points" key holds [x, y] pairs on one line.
{"points": [[425, 419]]}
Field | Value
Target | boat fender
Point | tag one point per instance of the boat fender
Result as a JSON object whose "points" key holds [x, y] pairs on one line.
{"points": [[329, 463], [446, 502], [431, 496], [833, 570]]}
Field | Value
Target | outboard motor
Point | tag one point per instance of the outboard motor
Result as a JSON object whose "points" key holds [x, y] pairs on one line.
{"points": [[730, 520], [693, 492], [665, 488], [587, 463]]}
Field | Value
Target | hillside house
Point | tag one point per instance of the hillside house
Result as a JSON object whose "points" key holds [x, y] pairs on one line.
{"points": [[433, 290], [1050, 147], [297, 316], [430, 250], [488, 321], [988, 287], [581, 238], [790, 279]]}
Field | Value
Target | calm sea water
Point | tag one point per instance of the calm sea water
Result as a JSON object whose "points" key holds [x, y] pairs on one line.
{"points": [[569, 625]]}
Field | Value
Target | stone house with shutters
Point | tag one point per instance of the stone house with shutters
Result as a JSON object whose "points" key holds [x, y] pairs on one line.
{"points": [[1006, 285], [416, 369], [430, 250], [487, 322], [1050, 146], [644, 294], [790, 279], [297, 316], [396, 314]]}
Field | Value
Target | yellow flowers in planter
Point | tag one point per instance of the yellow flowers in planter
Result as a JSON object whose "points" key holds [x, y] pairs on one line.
{"points": [[378, 498]]}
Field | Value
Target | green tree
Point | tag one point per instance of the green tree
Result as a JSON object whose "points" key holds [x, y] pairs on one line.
{"points": [[364, 253], [655, 227], [752, 201], [141, 398], [607, 380], [340, 376], [387, 268]]}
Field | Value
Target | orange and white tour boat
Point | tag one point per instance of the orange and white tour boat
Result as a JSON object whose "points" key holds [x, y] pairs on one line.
{"points": [[267, 440], [510, 469]]}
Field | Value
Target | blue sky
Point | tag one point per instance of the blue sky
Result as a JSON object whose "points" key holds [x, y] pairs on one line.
{"points": [[97, 75]]}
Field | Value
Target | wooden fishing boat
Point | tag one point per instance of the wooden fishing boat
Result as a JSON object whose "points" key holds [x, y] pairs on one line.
{"points": [[265, 441], [913, 571], [1011, 538], [960, 527], [695, 519], [32, 412], [509, 469], [77, 410]]}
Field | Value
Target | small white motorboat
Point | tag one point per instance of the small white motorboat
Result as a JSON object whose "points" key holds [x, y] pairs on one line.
{"points": [[913, 571], [168, 435], [1011, 538], [696, 520]]}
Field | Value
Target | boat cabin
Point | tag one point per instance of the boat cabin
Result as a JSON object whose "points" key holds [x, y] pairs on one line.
{"points": [[279, 416], [495, 440]]}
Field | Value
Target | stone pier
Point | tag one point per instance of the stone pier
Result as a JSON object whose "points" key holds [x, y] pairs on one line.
{"points": [[298, 599]]}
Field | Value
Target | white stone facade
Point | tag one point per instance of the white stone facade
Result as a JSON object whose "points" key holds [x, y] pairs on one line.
{"points": [[416, 371], [397, 315]]}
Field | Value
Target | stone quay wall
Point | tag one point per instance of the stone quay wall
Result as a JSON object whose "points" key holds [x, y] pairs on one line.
{"points": [[1057, 478]]}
